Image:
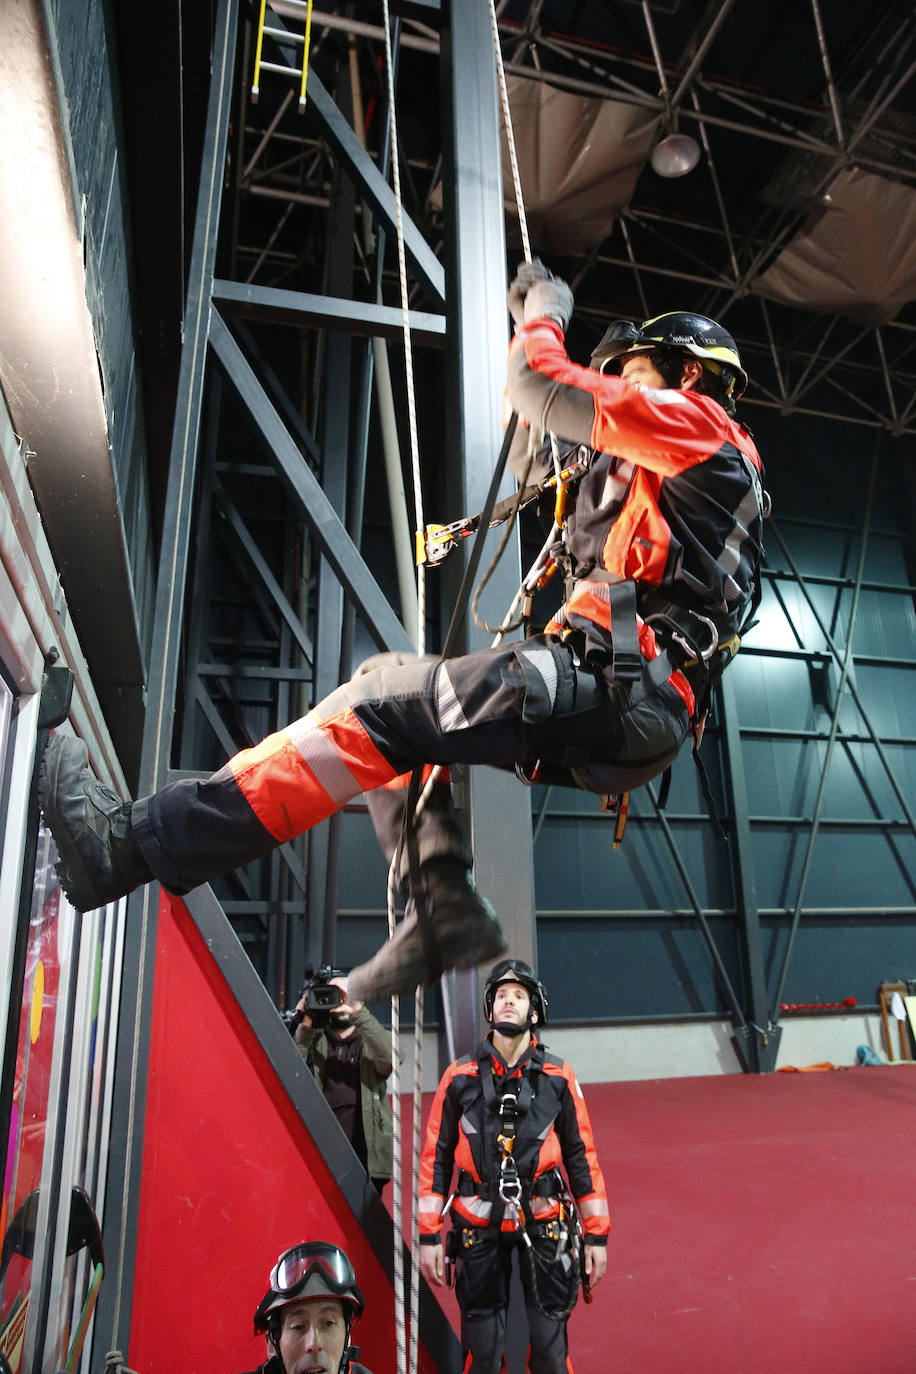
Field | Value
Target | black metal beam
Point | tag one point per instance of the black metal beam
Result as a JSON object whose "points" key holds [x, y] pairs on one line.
{"points": [[499, 809], [324, 841], [277, 596], [336, 545], [360, 318], [374, 189], [758, 1039], [173, 562]]}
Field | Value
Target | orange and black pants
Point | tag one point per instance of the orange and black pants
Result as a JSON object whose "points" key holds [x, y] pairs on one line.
{"points": [[530, 703]]}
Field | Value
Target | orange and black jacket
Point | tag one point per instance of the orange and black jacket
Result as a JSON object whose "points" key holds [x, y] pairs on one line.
{"points": [[553, 1132], [673, 498]]}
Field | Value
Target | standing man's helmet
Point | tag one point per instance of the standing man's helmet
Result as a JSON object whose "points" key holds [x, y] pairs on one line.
{"points": [[313, 1269], [516, 971], [694, 334]]}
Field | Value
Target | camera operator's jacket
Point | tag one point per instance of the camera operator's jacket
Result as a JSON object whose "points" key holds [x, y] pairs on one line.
{"points": [[375, 1064], [554, 1131], [672, 500]]}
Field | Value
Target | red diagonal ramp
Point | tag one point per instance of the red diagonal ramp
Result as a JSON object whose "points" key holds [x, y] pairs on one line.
{"points": [[242, 1157]]}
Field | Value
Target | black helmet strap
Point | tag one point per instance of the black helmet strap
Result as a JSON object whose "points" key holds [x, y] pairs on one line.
{"points": [[510, 1029]]}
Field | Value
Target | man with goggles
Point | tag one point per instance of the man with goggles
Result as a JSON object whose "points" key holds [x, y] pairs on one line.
{"points": [[308, 1311]]}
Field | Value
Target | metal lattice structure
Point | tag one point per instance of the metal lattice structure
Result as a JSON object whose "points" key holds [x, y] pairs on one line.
{"points": [[290, 573]]}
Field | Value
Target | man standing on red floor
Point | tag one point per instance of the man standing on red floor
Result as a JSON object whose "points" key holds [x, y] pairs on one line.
{"points": [[506, 1119]]}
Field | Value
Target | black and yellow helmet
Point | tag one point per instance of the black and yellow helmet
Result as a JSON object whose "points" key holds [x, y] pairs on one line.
{"points": [[695, 334]]}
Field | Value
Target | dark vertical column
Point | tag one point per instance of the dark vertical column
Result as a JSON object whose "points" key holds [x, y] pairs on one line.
{"points": [[499, 807], [122, 1200], [760, 1040], [192, 743], [324, 840]]}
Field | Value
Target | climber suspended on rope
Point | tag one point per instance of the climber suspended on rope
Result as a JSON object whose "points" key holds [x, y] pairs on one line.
{"points": [[663, 543]]}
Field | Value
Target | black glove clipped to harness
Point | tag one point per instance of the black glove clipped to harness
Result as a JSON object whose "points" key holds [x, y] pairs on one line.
{"points": [[536, 293]]}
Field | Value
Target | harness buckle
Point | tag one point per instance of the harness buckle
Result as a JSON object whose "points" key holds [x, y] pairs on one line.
{"points": [[508, 1106], [510, 1184]]}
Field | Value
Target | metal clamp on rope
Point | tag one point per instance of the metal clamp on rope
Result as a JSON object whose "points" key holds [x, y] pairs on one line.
{"points": [[436, 542]]}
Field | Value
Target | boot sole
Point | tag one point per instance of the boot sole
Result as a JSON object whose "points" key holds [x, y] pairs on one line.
{"points": [[58, 775], [489, 944]]}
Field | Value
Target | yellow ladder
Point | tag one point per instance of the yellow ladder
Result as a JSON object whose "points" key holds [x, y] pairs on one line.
{"points": [[260, 65]]}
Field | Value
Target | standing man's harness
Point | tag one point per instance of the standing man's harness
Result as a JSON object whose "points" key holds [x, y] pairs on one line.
{"points": [[510, 1189]]}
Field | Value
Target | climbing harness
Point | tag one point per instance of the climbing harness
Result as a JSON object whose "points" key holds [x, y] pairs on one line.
{"points": [[510, 1195]]}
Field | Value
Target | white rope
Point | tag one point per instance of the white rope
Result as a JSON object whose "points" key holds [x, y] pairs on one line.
{"points": [[510, 136], [407, 1359], [405, 314]]}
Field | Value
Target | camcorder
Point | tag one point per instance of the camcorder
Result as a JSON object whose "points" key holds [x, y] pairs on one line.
{"points": [[322, 997]]}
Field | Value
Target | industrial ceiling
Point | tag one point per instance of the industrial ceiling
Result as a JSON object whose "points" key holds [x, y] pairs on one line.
{"points": [[795, 228]]}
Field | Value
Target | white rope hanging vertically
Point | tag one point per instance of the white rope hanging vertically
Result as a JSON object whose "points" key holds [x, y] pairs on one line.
{"points": [[407, 1361], [510, 135]]}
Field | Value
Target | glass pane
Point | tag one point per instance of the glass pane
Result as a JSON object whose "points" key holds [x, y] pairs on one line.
{"points": [[31, 1101]]}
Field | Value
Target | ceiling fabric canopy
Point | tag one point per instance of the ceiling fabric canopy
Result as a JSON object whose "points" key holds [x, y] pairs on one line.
{"points": [[857, 259], [578, 160]]}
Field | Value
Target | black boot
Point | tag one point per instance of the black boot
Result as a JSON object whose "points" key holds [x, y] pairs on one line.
{"points": [[99, 858], [464, 933]]}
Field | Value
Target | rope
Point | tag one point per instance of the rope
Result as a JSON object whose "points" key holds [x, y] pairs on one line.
{"points": [[510, 136], [405, 314], [407, 1358]]}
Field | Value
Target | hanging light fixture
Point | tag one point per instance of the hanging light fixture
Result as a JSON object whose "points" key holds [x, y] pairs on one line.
{"points": [[676, 154]]}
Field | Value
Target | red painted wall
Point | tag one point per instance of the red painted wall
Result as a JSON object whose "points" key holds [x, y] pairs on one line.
{"points": [[230, 1179]]}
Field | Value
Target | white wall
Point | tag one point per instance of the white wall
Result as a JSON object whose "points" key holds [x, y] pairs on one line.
{"points": [[618, 1053], [610, 1054]]}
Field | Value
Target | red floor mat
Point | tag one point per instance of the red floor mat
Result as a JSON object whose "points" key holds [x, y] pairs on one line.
{"points": [[761, 1225]]}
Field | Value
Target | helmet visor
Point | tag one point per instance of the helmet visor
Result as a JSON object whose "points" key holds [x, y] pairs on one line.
{"points": [[618, 338], [293, 1269]]}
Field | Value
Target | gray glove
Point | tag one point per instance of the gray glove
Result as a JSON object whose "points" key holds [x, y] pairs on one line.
{"points": [[536, 293]]}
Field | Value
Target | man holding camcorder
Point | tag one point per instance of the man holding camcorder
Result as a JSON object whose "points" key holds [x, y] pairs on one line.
{"points": [[350, 1054]]}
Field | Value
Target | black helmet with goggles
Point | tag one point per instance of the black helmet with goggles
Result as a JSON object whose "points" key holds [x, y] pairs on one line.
{"points": [[313, 1269], [693, 334], [516, 971]]}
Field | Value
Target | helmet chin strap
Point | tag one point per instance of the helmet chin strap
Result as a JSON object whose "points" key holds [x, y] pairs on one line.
{"points": [[510, 1029]]}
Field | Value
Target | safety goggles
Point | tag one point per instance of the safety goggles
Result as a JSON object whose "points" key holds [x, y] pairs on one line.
{"points": [[621, 332], [623, 336], [295, 1266]]}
